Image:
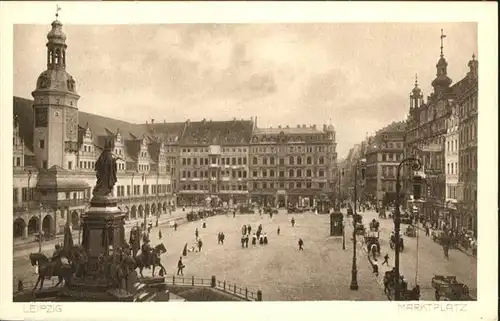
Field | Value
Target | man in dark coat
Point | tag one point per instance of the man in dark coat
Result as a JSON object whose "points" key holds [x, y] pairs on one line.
{"points": [[301, 244], [246, 240], [293, 222], [175, 226], [180, 267], [185, 250], [200, 245], [249, 229]]}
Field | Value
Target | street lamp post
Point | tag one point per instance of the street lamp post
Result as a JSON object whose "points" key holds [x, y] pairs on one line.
{"points": [[40, 230], [145, 200], [354, 272], [416, 165], [157, 197]]}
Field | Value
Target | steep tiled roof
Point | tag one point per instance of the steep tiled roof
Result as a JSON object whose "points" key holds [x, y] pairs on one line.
{"points": [[286, 130], [23, 109], [169, 132], [235, 132]]}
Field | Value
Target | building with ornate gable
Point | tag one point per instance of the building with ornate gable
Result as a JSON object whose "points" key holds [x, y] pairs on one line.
{"points": [[428, 126], [159, 164]]}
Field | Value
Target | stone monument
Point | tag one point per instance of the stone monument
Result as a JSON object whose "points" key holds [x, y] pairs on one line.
{"points": [[103, 235]]}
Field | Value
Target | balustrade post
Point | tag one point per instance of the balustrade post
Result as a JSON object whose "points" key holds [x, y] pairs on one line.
{"points": [[224, 285], [234, 289], [213, 281], [259, 295], [173, 279], [192, 280], [246, 293]]}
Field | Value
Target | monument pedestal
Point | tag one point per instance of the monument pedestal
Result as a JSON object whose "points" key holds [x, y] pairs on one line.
{"points": [[103, 233]]}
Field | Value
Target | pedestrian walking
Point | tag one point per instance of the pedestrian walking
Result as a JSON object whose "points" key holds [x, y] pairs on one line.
{"points": [[234, 213], [246, 240], [249, 229], [254, 239], [159, 234], [218, 238], [222, 237], [278, 230], [180, 266], [386, 259], [265, 238], [175, 226], [375, 267], [185, 250], [243, 241], [200, 245], [196, 233], [293, 221], [301, 245]]}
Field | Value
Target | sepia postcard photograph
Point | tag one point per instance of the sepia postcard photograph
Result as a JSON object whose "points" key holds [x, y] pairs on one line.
{"points": [[318, 153]]}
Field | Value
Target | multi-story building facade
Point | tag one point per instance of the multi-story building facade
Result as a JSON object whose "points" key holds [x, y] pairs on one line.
{"points": [[467, 105], [213, 161], [383, 154], [292, 166], [55, 147], [452, 165], [425, 138]]}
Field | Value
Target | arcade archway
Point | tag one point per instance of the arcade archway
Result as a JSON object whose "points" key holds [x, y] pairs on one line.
{"points": [[133, 212], [153, 209], [19, 225], [75, 220], [47, 224], [141, 211], [147, 210], [127, 213], [33, 225]]}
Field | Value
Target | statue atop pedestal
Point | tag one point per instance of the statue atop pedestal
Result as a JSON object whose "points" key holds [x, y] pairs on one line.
{"points": [[105, 168]]}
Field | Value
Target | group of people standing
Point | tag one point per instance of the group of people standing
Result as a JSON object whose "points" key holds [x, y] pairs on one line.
{"points": [[258, 236]]}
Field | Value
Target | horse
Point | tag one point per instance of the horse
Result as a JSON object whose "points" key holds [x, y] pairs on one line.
{"points": [[47, 269], [141, 261]]}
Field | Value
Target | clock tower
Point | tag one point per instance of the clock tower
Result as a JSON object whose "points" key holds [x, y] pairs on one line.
{"points": [[55, 107]]}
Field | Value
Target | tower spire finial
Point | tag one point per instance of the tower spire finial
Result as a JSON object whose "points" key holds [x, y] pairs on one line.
{"points": [[57, 11], [473, 56], [442, 37], [416, 80]]}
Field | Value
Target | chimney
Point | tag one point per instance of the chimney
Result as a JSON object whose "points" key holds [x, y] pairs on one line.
{"points": [[303, 126], [146, 122], [314, 126], [152, 121], [164, 121], [298, 126], [279, 126], [287, 126]]}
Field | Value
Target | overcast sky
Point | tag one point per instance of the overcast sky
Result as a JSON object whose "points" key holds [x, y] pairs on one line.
{"points": [[357, 75]]}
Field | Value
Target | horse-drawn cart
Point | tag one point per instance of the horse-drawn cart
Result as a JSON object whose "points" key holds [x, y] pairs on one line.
{"points": [[359, 228], [371, 239], [411, 231], [449, 289]]}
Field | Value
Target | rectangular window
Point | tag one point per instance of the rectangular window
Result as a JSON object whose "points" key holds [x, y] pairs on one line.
{"points": [[282, 161], [44, 164], [282, 174], [70, 165], [42, 144], [128, 190]]}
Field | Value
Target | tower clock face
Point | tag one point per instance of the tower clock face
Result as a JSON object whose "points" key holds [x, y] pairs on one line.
{"points": [[41, 117]]}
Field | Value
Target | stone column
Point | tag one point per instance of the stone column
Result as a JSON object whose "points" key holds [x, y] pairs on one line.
{"points": [[25, 231]]}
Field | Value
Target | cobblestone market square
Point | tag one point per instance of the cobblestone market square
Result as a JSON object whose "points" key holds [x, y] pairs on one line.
{"points": [[245, 162]]}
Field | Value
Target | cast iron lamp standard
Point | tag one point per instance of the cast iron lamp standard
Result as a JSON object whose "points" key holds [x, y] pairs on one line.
{"points": [[40, 229], [415, 165], [145, 201], [354, 275]]}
